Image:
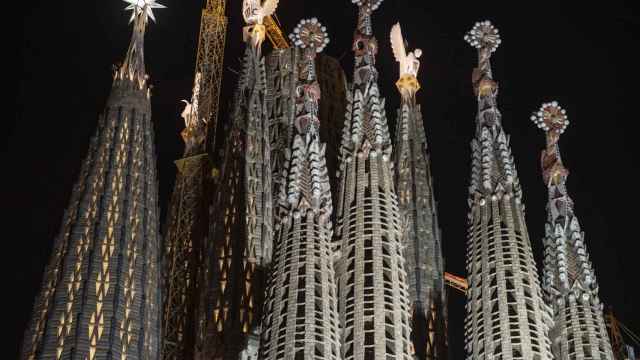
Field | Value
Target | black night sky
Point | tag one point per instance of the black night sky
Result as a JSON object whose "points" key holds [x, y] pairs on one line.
{"points": [[579, 55]]}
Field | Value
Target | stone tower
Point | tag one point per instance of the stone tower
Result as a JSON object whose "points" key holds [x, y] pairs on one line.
{"points": [[373, 292], [569, 281], [506, 315], [241, 218], [301, 317], [422, 246], [100, 296]]}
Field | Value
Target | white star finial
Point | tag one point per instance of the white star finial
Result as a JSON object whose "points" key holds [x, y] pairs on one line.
{"points": [[146, 6]]}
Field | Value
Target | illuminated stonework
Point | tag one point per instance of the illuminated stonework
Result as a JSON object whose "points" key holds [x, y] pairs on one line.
{"points": [[100, 293], [422, 242], [569, 280], [506, 316], [373, 292]]}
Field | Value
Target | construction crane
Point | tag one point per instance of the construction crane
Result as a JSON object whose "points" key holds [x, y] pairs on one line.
{"points": [[456, 282], [209, 62], [621, 351], [275, 35]]}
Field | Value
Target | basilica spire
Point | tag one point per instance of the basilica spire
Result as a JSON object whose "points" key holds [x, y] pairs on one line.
{"points": [[422, 242], [370, 267], [506, 315], [301, 317], [569, 280], [100, 296]]}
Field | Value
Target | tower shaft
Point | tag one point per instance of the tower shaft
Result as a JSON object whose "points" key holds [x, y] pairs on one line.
{"points": [[506, 316], [373, 298], [100, 295], [422, 244]]}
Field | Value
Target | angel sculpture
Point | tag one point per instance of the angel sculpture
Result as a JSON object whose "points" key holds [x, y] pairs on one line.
{"points": [[254, 13], [190, 112], [188, 115], [409, 63]]}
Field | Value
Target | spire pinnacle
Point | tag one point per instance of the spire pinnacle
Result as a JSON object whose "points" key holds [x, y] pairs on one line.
{"points": [[552, 118], [484, 37], [145, 7], [408, 83], [307, 152], [133, 66]]}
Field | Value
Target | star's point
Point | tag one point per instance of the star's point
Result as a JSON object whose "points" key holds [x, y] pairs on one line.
{"points": [[146, 6]]}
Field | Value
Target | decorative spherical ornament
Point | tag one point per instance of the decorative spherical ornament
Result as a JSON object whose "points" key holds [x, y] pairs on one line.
{"points": [[551, 117], [483, 35], [373, 4], [310, 34]]}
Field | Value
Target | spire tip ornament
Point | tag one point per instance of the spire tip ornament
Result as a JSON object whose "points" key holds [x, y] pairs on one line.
{"points": [[408, 83], [309, 33], [370, 4], [484, 35], [143, 6], [551, 117]]}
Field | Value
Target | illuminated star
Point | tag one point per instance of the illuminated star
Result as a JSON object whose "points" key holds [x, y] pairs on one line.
{"points": [[146, 6]]}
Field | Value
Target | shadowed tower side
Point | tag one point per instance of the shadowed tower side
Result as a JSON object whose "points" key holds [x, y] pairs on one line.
{"points": [[373, 291], [301, 317], [506, 315], [569, 281], [241, 219], [422, 247], [100, 295]]}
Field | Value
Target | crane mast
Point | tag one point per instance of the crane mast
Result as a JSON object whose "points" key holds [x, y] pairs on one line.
{"points": [[275, 35], [209, 62], [185, 240]]}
